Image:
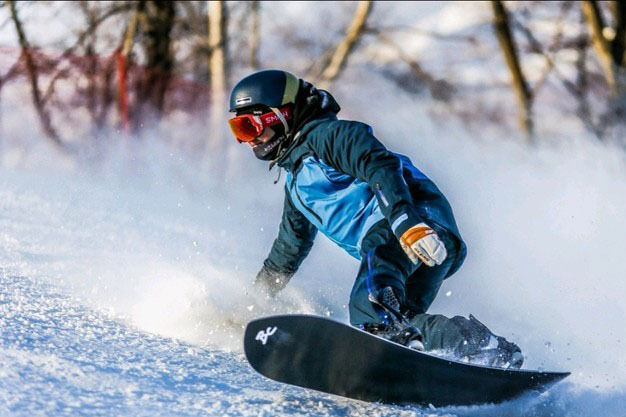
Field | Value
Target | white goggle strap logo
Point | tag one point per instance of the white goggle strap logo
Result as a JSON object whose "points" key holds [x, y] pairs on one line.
{"points": [[257, 119], [281, 117]]}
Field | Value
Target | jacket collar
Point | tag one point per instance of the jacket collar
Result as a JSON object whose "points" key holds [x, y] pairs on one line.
{"points": [[291, 160]]}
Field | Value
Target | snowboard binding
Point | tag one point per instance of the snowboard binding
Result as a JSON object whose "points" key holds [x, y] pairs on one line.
{"points": [[396, 326]]}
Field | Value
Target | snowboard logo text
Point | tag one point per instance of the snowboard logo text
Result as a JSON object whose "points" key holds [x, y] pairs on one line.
{"points": [[263, 335]]}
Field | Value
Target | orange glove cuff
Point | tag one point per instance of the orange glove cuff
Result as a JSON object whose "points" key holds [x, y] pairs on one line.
{"points": [[415, 233]]}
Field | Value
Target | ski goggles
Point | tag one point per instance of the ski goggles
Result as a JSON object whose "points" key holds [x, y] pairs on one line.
{"points": [[247, 127]]}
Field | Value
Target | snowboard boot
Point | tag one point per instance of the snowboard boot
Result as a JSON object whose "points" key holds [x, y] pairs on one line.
{"points": [[397, 328], [492, 350]]}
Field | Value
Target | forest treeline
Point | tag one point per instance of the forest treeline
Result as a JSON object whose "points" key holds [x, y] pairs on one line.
{"points": [[135, 60]]}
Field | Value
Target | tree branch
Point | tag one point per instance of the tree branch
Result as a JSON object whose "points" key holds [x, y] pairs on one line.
{"points": [[31, 68], [434, 35], [519, 83], [343, 49], [79, 42], [439, 89]]}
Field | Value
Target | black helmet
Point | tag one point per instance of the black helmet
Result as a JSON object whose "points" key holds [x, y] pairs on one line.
{"points": [[270, 88]]}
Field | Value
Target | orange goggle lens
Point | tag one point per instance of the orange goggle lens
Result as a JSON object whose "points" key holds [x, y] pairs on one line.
{"points": [[247, 127]]}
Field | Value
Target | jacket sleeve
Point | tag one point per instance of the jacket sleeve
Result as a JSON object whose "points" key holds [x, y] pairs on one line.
{"points": [[352, 148], [294, 242]]}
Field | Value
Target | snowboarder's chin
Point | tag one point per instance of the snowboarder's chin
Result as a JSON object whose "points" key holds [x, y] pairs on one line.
{"points": [[266, 151]]}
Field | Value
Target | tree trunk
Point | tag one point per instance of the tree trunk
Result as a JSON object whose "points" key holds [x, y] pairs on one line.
{"points": [[342, 51], [254, 34], [610, 49], [618, 45], [122, 64], [218, 68], [602, 46], [33, 77], [106, 93], [520, 86], [157, 23]]}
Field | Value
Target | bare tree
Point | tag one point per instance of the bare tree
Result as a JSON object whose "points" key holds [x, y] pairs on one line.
{"points": [[254, 34], [218, 65], [519, 83], [346, 45], [92, 62], [609, 43], [157, 21], [580, 89], [105, 93], [33, 76]]}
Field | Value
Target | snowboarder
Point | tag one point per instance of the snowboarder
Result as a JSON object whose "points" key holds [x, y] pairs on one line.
{"points": [[375, 204]]}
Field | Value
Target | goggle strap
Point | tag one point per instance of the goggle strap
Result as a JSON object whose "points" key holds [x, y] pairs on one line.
{"points": [[281, 117]]}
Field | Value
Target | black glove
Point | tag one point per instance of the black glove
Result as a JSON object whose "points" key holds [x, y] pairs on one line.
{"points": [[271, 281]]}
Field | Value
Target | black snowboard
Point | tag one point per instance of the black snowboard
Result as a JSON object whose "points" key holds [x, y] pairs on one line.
{"points": [[328, 356]]}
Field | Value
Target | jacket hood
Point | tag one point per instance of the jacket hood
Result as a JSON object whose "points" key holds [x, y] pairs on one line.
{"points": [[311, 104]]}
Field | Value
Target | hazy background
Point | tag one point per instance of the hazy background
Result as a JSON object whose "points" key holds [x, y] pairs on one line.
{"points": [[162, 224]]}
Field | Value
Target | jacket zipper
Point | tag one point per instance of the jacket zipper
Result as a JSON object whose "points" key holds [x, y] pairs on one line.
{"points": [[379, 191]]}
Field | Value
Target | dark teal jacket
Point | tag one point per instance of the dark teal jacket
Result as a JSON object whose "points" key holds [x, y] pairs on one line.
{"points": [[341, 181]]}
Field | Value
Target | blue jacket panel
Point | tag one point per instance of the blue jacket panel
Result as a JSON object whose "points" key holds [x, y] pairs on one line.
{"points": [[340, 206]]}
